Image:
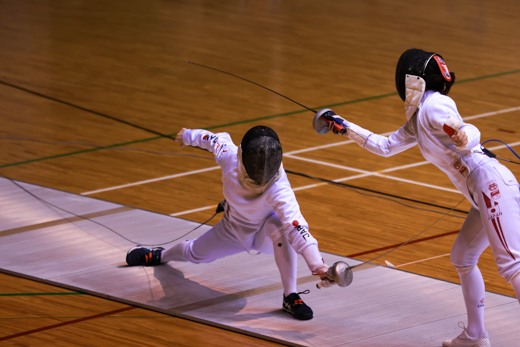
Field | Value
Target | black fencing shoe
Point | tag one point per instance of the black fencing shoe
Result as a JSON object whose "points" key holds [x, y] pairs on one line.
{"points": [[144, 256], [295, 306]]}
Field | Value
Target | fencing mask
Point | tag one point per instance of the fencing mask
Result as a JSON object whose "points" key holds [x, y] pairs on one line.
{"points": [[412, 78], [261, 153]]}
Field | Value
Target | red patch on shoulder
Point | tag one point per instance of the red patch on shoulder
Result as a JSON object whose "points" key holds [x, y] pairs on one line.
{"points": [[295, 223]]}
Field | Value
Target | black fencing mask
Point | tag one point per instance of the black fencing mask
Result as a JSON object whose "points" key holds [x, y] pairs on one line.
{"points": [[261, 153], [414, 62]]}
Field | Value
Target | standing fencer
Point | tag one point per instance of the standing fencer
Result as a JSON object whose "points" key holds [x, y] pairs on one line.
{"points": [[261, 213], [435, 125]]}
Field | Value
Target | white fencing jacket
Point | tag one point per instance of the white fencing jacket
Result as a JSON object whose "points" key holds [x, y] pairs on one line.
{"points": [[249, 208], [426, 129]]}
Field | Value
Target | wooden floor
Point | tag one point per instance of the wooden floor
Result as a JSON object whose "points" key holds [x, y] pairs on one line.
{"points": [[67, 69], [383, 305]]}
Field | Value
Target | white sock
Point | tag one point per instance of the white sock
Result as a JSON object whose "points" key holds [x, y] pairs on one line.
{"points": [[473, 290], [286, 260], [175, 253]]}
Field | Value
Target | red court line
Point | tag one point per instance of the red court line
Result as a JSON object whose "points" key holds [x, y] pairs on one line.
{"points": [[67, 323], [399, 244]]}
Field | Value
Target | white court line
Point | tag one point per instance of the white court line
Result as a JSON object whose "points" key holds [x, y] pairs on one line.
{"points": [[151, 180], [290, 155], [364, 174], [325, 146], [375, 173], [418, 261], [329, 164], [492, 113], [194, 210], [503, 146]]}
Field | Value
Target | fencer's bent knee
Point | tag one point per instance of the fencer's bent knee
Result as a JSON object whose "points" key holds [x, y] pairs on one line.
{"points": [[193, 257], [463, 270]]}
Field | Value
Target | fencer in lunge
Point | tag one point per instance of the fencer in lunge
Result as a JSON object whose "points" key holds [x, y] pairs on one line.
{"points": [[261, 214], [445, 140]]}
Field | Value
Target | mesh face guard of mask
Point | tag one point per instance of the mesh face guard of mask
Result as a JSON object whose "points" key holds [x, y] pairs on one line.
{"points": [[261, 154]]}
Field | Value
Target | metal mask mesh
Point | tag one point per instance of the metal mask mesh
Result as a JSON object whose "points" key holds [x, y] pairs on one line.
{"points": [[261, 154]]}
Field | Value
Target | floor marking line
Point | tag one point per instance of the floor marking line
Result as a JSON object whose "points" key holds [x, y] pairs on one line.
{"points": [[65, 220], [291, 155], [150, 180], [375, 173], [399, 244], [512, 109], [419, 261], [507, 110], [194, 210], [38, 294], [66, 323]]}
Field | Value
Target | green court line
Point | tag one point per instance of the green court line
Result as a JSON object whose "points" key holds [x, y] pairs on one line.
{"points": [[37, 294], [250, 120], [489, 76], [79, 317]]}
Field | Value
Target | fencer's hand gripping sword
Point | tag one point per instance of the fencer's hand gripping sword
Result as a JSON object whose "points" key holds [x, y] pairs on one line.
{"points": [[340, 272], [321, 119]]}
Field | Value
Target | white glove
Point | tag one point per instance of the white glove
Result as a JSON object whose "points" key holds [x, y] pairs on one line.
{"points": [[325, 276]]}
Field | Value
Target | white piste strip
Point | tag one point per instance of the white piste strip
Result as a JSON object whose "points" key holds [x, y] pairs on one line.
{"points": [[151, 180]]}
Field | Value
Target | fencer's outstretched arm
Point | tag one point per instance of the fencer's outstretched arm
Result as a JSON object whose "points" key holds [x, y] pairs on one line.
{"points": [[215, 143], [384, 146]]}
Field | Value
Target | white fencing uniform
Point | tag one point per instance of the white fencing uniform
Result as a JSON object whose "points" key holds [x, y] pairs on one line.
{"points": [[254, 218], [490, 187]]}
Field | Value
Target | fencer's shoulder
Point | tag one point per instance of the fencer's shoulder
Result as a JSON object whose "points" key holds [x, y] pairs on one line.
{"points": [[439, 105], [282, 189], [436, 101]]}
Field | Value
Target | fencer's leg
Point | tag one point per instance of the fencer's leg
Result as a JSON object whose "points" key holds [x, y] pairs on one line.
{"points": [[469, 245], [285, 256], [286, 260], [499, 200], [176, 253], [473, 291], [515, 282], [216, 243]]}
